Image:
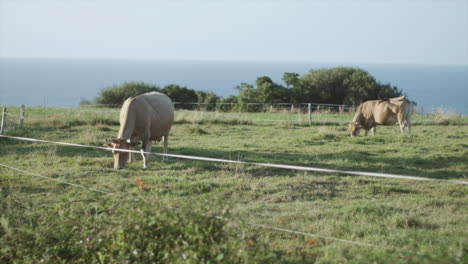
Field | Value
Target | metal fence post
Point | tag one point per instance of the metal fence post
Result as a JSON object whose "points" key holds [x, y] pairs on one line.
{"points": [[309, 106], [22, 111], [3, 126]]}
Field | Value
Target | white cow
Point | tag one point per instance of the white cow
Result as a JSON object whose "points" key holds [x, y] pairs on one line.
{"points": [[382, 112], [143, 118]]}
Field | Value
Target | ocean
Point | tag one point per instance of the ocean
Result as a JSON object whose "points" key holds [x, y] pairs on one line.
{"points": [[64, 82]]}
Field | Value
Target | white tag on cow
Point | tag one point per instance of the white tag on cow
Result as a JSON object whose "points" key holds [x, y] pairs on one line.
{"points": [[128, 141]]}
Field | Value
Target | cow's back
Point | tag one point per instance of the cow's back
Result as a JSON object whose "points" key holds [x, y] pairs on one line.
{"points": [[375, 112], [366, 109], [162, 113], [151, 113], [386, 112]]}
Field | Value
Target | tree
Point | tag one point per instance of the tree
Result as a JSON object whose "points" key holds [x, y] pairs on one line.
{"points": [[228, 104], [290, 79], [340, 85], [306, 90], [387, 91], [116, 95], [360, 86], [180, 94], [207, 100], [247, 95], [271, 92]]}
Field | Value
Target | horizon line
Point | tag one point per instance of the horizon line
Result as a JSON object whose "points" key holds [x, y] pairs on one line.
{"points": [[227, 60]]}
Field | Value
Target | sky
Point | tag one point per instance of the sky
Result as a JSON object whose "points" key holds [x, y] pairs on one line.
{"points": [[364, 31]]}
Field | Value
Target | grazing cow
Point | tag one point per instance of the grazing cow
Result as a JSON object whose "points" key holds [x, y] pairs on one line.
{"points": [[382, 112], [143, 118]]}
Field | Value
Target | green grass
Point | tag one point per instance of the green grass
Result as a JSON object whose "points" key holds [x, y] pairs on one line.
{"points": [[174, 220]]}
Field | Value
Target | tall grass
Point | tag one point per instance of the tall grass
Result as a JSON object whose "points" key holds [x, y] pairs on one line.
{"points": [[448, 117], [169, 212]]}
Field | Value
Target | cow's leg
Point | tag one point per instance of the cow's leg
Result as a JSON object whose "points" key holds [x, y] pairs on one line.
{"points": [[401, 122], [373, 131], [402, 126], [146, 147], [130, 154], [365, 133], [409, 128], [408, 122], [165, 144]]}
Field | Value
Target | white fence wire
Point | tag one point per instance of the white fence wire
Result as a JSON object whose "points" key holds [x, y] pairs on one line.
{"points": [[270, 165]]}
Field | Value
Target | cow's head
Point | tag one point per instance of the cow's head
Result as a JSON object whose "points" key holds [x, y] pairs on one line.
{"points": [[354, 128], [120, 157]]}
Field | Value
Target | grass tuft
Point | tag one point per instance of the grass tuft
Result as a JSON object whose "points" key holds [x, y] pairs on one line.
{"points": [[447, 117]]}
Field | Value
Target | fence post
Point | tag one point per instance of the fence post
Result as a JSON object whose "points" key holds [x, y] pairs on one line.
{"points": [[22, 111], [3, 120], [292, 108], [318, 108], [309, 106]]}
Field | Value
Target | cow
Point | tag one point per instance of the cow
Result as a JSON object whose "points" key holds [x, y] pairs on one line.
{"points": [[382, 112], [144, 118]]}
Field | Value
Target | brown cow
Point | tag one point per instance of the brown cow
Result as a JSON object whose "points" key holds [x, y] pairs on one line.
{"points": [[382, 112], [144, 118]]}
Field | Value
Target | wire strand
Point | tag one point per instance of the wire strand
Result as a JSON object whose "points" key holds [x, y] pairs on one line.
{"points": [[270, 165]]}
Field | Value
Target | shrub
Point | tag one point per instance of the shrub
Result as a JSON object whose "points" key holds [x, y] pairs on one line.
{"points": [[116, 95], [207, 100], [132, 231], [181, 94]]}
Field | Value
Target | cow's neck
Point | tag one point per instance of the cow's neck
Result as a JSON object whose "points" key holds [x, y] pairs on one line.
{"points": [[358, 117], [127, 125]]}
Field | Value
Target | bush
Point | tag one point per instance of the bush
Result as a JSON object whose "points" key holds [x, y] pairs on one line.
{"points": [[116, 95], [179, 94], [207, 100], [128, 231]]}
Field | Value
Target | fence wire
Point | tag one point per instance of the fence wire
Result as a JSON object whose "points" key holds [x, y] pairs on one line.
{"points": [[270, 165]]}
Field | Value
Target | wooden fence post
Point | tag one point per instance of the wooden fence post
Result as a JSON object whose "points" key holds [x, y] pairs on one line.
{"points": [[309, 106], [3, 126], [292, 108], [22, 111]]}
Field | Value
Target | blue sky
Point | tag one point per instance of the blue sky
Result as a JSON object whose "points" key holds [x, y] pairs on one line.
{"points": [[364, 31]]}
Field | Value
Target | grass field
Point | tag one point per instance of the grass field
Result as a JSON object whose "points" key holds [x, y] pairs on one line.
{"points": [[185, 211]]}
